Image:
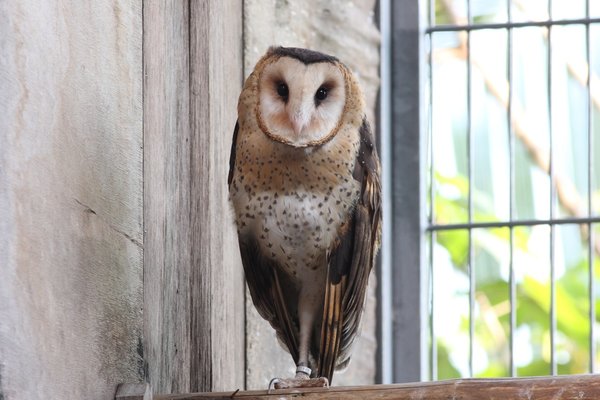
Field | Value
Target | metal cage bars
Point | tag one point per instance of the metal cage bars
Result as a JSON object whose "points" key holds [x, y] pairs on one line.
{"points": [[512, 222], [591, 289]]}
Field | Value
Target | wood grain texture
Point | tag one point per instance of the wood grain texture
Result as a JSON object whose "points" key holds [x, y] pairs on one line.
{"points": [[133, 391], [194, 314], [216, 71], [166, 205], [70, 198], [576, 387]]}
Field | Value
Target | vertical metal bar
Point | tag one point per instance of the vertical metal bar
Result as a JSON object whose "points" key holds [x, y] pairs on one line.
{"points": [[511, 154], [385, 129], [592, 293], [431, 210], [591, 288], [408, 211], [434, 351], [431, 13], [552, 196], [471, 268], [433, 236]]}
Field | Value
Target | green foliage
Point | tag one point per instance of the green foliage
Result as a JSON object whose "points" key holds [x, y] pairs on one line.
{"points": [[492, 319], [491, 248]]}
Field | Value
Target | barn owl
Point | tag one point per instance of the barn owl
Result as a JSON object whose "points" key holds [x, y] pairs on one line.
{"points": [[305, 188]]}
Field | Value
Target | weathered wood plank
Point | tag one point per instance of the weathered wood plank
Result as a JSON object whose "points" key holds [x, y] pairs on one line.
{"points": [[194, 314], [70, 198], [167, 175], [578, 387], [216, 79]]}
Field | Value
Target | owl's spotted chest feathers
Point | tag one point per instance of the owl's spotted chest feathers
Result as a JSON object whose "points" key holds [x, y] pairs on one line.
{"points": [[295, 204]]}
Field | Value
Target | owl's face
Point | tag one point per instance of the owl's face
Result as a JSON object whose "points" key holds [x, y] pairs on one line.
{"points": [[301, 104]]}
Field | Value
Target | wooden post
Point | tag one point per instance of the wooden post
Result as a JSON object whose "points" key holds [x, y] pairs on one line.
{"points": [[193, 283]]}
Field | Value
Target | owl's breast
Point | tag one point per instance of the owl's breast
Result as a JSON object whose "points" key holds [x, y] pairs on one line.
{"points": [[295, 227], [294, 202]]}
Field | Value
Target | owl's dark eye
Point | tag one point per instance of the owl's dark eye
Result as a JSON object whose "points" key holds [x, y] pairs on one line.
{"points": [[283, 91], [321, 94]]}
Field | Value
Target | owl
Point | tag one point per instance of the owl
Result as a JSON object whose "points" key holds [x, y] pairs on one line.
{"points": [[305, 188]]}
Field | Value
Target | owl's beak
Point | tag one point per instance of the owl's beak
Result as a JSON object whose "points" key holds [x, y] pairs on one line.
{"points": [[299, 121], [298, 125]]}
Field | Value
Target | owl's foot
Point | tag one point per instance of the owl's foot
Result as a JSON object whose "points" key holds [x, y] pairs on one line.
{"points": [[301, 380]]}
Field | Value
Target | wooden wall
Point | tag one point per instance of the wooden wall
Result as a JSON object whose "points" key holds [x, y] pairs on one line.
{"points": [[116, 119], [118, 256], [70, 198], [194, 288]]}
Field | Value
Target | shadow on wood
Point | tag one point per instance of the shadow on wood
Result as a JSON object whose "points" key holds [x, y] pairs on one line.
{"points": [[540, 388]]}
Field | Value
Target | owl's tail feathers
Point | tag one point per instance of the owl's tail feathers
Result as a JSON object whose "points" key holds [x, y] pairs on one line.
{"points": [[331, 334]]}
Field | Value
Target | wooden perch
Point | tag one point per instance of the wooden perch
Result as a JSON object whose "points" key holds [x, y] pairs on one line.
{"points": [[541, 388]]}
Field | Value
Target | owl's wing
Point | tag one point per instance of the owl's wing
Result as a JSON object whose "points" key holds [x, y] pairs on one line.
{"points": [[351, 262], [267, 288], [265, 284], [232, 154]]}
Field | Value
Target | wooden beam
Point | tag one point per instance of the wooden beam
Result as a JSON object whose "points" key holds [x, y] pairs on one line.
{"points": [[193, 283], [540, 388]]}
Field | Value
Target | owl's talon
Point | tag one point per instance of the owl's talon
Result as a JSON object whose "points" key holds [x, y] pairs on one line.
{"points": [[272, 384]]}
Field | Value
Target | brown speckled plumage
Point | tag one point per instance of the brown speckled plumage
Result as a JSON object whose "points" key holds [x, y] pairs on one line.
{"points": [[307, 212]]}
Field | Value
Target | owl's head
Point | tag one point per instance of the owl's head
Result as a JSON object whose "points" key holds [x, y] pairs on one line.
{"points": [[301, 96]]}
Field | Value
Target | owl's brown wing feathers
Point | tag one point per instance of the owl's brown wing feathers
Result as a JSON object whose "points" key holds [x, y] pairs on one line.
{"points": [[351, 262], [232, 154], [266, 285], [267, 288]]}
